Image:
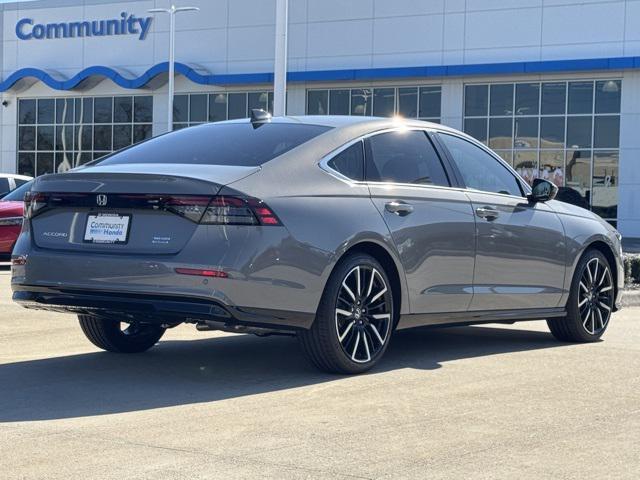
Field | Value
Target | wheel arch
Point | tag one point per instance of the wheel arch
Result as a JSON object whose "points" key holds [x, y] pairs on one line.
{"points": [[606, 249], [392, 268]]}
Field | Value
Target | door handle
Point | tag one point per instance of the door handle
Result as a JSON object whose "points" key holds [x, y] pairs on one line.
{"points": [[488, 213], [401, 209]]}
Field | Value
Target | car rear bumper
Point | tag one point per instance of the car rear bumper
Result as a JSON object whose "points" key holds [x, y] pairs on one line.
{"points": [[154, 308]]}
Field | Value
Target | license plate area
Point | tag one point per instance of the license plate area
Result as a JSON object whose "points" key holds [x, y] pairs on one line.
{"points": [[107, 228]]}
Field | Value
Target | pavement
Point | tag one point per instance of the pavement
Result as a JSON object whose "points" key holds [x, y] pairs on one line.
{"points": [[470, 402]]}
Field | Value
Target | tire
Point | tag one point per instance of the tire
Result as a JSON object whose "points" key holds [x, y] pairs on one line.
{"points": [[109, 335], [590, 303], [349, 337]]}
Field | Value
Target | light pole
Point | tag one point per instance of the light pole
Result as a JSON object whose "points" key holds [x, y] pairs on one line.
{"points": [[280, 64], [172, 11]]}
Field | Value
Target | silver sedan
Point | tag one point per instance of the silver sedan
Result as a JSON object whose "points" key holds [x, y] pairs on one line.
{"points": [[339, 230]]}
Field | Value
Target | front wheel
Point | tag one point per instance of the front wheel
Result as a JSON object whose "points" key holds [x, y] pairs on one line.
{"points": [[118, 337], [590, 301], [354, 321]]}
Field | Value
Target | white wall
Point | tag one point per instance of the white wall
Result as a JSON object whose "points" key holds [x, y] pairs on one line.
{"points": [[234, 36]]}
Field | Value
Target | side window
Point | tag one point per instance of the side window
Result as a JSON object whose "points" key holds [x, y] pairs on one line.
{"points": [[349, 162], [20, 182], [480, 170], [4, 186], [404, 157]]}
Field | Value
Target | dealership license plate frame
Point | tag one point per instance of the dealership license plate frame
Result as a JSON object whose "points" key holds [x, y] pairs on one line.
{"points": [[104, 215]]}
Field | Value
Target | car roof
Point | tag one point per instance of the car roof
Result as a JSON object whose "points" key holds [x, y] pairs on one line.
{"points": [[14, 175], [345, 121]]}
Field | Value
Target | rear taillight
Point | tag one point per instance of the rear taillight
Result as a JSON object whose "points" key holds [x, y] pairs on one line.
{"points": [[192, 208], [217, 210], [238, 211]]}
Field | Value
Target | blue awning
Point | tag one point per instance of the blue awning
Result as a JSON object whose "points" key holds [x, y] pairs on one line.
{"points": [[202, 77]]}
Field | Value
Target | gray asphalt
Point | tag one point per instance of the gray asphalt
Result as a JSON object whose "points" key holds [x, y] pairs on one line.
{"points": [[469, 402]]}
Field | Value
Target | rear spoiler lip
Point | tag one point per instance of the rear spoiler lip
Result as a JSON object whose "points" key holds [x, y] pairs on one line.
{"points": [[183, 180]]}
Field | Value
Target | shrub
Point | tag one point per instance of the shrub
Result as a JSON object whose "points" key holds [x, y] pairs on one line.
{"points": [[632, 269]]}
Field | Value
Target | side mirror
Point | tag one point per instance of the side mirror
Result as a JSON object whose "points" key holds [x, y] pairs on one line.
{"points": [[542, 191]]}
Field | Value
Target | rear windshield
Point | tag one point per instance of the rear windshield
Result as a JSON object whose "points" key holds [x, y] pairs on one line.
{"points": [[241, 144]]}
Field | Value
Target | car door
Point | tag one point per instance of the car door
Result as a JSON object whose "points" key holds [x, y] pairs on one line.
{"points": [[431, 224], [520, 245]]}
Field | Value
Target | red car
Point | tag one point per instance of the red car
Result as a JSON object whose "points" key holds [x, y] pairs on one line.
{"points": [[11, 210]]}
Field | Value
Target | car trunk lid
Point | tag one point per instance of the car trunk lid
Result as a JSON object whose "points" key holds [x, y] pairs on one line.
{"points": [[126, 208]]}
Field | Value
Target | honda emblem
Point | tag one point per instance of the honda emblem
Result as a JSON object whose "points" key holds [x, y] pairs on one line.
{"points": [[101, 200]]}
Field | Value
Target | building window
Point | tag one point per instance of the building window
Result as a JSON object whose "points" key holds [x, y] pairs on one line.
{"points": [[410, 102], [57, 134], [196, 108], [567, 132]]}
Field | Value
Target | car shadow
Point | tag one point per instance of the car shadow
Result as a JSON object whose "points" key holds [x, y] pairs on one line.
{"points": [[208, 370]]}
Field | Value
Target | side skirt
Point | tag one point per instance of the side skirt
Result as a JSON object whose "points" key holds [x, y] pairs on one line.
{"points": [[472, 318]]}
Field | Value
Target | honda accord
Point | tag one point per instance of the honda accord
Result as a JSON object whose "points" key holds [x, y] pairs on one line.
{"points": [[339, 230]]}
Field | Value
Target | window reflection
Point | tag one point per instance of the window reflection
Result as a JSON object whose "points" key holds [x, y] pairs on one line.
{"points": [[318, 102], [339, 102], [580, 97], [565, 132], [527, 98], [554, 98], [525, 163], [606, 132], [409, 102], [501, 100], [579, 132], [476, 100], [123, 110], [579, 173], [526, 134], [500, 133], [57, 134], [552, 166], [608, 95], [217, 107], [552, 132], [605, 182], [384, 102], [237, 105], [506, 155], [196, 108], [477, 128], [361, 100]]}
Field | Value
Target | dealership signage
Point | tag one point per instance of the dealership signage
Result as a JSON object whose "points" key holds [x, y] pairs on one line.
{"points": [[28, 29]]}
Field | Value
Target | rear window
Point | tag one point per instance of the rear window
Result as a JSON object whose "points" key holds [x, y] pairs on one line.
{"points": [[239, 144]]}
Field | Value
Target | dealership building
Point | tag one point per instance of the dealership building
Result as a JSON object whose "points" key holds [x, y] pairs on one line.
{"points": [[553, 86]]}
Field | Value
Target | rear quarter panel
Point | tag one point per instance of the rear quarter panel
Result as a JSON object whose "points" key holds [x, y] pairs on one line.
{"points": [[324, 215]]}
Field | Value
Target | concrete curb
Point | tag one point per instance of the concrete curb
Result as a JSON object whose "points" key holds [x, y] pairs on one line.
{"points": [[631, 298]]}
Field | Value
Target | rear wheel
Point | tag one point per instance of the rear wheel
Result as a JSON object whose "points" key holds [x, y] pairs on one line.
{"points": [[120, 337], [590, 302], [353, 325]]}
